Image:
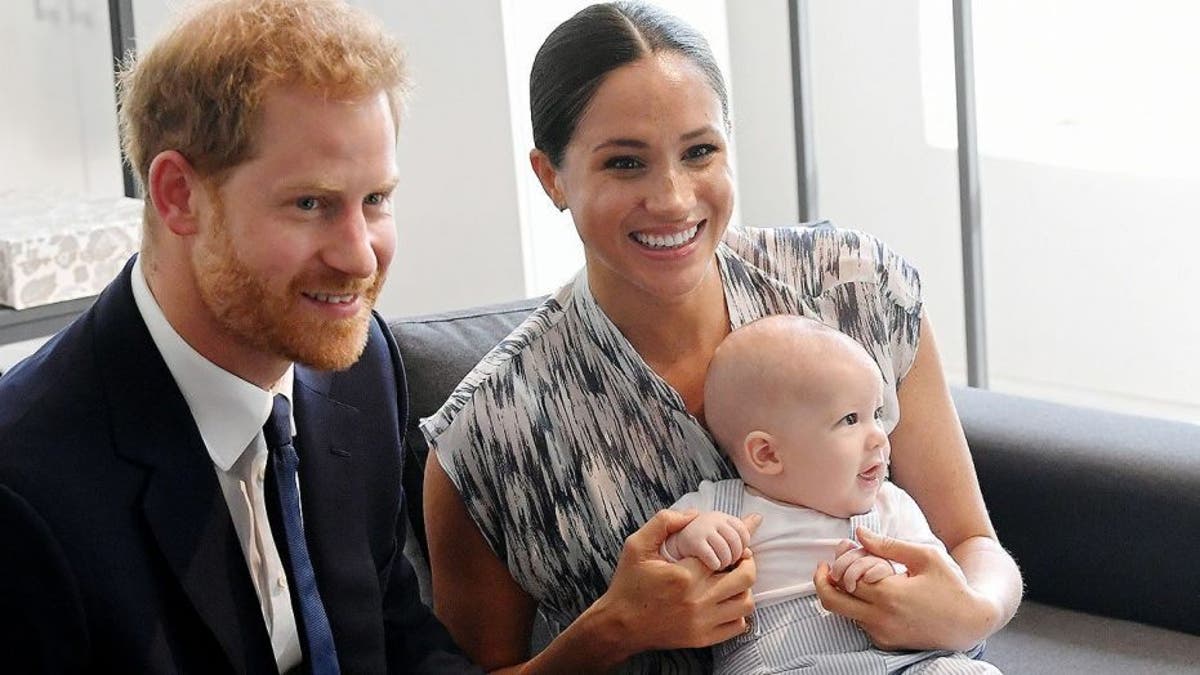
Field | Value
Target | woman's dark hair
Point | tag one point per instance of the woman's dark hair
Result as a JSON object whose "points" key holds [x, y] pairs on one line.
{"points": [[584, 49]]}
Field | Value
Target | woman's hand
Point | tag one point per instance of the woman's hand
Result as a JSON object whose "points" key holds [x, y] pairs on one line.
{"points": [[931, 607], [653, 603]]}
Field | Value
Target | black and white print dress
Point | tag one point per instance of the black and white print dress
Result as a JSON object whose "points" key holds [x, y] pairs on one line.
{"points": [[562, 441]]}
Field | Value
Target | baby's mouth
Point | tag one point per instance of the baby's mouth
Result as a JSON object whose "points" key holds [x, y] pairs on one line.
{"points": [[875, 473]]}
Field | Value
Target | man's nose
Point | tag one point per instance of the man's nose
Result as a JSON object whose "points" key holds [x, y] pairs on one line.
{"points": [[349, 248]]}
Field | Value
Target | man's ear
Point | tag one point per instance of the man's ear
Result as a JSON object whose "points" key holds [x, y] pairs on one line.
{"points": [[759, 450], [548, 176], [171, 185]]}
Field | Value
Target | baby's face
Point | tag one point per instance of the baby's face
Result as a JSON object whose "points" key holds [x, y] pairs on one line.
{"points": [[832, 445]]}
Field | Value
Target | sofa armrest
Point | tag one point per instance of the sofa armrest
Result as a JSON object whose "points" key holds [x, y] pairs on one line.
{"points": [[1101, 510]]}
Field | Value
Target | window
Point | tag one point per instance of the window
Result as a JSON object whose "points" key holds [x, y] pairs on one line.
{"points": [[1087, 134]]}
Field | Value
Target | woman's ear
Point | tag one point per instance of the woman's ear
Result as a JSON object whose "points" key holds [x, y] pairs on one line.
{"points": [[759, 450], [548, 176], [170, 187]]}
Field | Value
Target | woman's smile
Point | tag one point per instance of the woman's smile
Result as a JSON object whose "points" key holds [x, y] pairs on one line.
{"points": [[670, 240]]}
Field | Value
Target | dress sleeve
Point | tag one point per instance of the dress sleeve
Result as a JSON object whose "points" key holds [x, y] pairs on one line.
{"points": [[847, 278], [466, 445], [900, 292], [876, 293]]}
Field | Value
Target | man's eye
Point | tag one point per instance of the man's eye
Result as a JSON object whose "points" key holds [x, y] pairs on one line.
{"points": [[851, 419], [375, 199], [700, 151], [624, 163], [308, 203]]}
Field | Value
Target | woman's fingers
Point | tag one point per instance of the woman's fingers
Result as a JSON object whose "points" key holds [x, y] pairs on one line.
{"points": [[835, 599], [916, 557], [735, 582], [647, 541], [878, 572]]}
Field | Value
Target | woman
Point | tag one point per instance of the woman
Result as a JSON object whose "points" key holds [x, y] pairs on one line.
{"points": [[588, 419]]}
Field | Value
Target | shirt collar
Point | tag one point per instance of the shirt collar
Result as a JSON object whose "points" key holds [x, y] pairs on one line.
{"points": [[229, 411]]}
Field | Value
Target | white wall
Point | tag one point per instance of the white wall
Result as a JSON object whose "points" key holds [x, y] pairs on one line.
{"points": [[456, 206], [760, 71], [58, 120]]}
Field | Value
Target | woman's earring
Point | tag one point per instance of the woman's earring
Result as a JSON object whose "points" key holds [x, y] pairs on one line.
{"points": [[560, 206]]}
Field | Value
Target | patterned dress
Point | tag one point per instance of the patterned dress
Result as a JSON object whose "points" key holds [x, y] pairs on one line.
{"points": [[562, 441]]}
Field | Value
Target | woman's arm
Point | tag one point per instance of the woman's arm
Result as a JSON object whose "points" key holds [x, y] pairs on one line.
{"points": [[650, 604], [935, 606]]}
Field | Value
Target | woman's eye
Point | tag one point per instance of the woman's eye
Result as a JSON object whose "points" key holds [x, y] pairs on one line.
{"points": [[624, 163], [851, 419], [308, 203], [700, 151]]}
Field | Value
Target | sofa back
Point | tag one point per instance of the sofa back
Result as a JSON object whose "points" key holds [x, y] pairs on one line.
{"points": [[438, 351]]}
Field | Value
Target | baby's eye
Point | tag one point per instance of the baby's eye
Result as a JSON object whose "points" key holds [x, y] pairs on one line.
{"points": [[308, 203], [624, 163], [879, 413], [851, 419]]}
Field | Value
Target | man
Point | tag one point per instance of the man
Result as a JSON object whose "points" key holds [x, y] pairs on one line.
{"points": [[153, 515]]}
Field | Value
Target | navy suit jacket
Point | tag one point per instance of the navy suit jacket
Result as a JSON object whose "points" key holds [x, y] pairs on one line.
{"points": [[119, 554]]}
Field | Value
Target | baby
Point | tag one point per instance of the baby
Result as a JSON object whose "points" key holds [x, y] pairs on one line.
{"points": [[798, 407]]}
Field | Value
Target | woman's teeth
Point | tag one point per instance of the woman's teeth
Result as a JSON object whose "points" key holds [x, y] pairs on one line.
{"points": [[666, 240]]}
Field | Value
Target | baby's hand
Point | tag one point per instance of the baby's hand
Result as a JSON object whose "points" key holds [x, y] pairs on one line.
{"points": [[717, 539], [855, 566]]}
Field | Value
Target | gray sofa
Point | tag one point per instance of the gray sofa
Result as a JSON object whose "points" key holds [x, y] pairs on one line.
{"points": [[1102, 511]]}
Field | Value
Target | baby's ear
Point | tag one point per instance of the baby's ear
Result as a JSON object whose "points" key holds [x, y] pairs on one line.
{"points": [[759, 451]]}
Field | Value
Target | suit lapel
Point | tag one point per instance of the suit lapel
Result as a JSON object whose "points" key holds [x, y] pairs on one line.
{"points": [[326, 430], [183, 504], [327, 435]]}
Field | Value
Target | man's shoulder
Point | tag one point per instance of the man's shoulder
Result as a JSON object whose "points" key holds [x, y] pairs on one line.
{"points": [[378, 375], [46, 393]]}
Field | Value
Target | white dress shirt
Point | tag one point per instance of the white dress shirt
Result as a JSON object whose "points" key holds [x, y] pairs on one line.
{"points": [[230, 413]]}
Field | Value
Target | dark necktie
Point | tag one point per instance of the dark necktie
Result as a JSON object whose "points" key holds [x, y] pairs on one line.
{"points": [[314, 629]]}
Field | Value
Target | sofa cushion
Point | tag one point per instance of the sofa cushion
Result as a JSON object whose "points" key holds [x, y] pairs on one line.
{"points": [[1052, 640]]}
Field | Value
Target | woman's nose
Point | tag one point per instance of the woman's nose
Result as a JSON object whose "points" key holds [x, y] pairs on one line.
{"points": [[672, 197]]}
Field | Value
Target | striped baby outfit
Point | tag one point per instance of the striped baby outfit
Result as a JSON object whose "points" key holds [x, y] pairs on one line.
{"points": [[795, 634]]}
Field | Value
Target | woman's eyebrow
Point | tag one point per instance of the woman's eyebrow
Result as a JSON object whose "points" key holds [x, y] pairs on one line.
{"points": [[638, 144], [621, 143], [697, 132]]}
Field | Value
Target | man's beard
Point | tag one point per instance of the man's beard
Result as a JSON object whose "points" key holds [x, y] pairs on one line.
{"points": [[243, 304]]}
